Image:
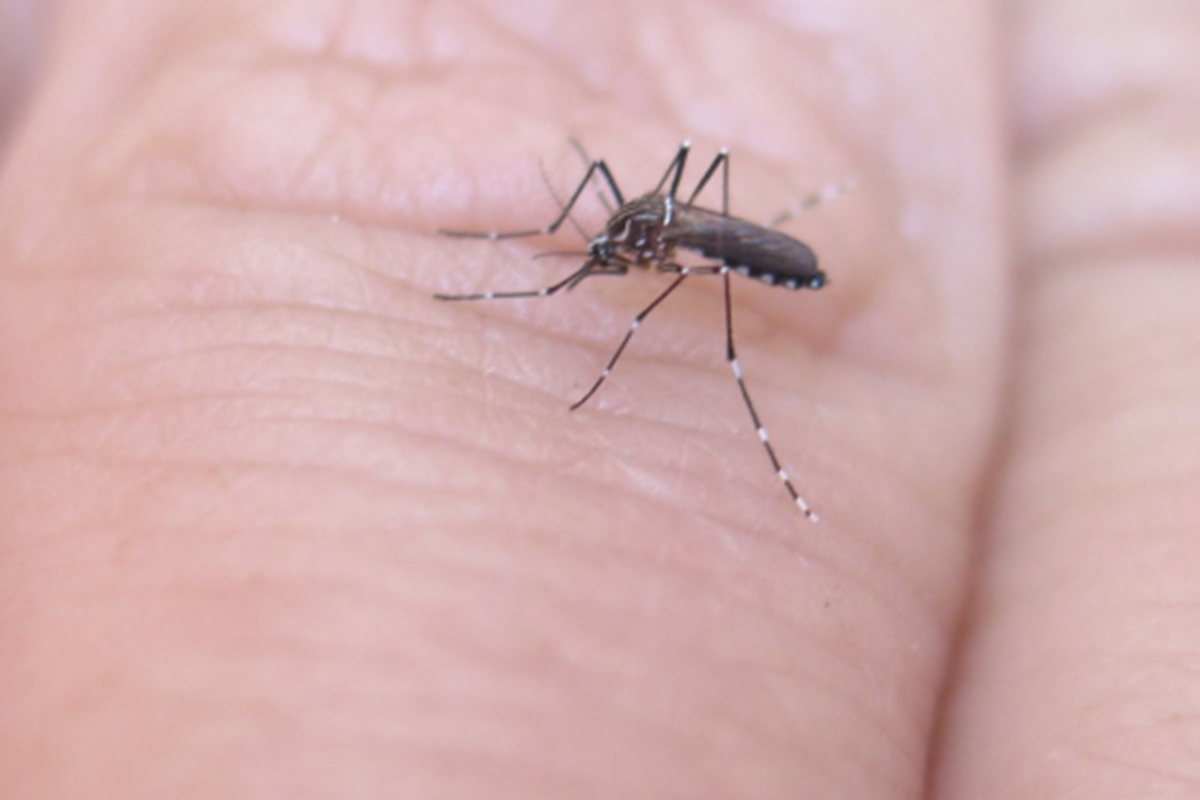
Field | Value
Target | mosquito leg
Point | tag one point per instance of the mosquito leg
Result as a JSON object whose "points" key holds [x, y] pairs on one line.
{"points": [[714, 269], [612, 184], [583, 154], [683, 273], [595, 166], [586, 271], [736, 366], [674, 171], [828, 193], [558, 202], [722, 160], [609, 269]]}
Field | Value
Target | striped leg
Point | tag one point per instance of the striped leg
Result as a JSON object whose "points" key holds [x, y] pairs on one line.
{"points": [[593, 168], [683, 274], [736, 366], [570, 282], [828, 193]]}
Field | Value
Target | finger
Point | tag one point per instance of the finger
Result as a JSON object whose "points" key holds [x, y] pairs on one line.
{"points": [[283, 515], [1077, 677], [21, 24]]}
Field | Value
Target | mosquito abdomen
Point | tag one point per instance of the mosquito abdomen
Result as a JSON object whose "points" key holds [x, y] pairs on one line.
{"points": [[772, 257]]}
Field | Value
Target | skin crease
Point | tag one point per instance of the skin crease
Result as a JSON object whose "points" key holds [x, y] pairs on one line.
{"points": [[275, 523]]}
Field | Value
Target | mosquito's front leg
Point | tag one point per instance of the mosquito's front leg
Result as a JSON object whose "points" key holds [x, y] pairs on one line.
{"points": [[682, 274], [570, 282], [595, 166]]}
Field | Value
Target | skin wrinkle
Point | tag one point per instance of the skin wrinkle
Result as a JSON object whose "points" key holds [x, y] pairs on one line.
{"points": [[471, 445], [732, 648]]}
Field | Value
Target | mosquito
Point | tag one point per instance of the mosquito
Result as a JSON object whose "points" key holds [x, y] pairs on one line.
{"points": [[647, 231]]}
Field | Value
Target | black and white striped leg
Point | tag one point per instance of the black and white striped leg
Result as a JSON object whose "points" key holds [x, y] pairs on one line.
{"points": [[736, 366], [596, 166], [683, 273], [571, 281], [828, 193]]}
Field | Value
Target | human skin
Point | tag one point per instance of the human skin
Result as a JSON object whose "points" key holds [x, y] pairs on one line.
{"points": [[276, 523]]}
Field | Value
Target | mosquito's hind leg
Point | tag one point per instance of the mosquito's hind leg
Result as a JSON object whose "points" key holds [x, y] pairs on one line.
{"points": [[736, 366], [828, 193]]}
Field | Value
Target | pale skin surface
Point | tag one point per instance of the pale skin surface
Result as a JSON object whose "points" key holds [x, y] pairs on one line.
{"points": [[275, 523]]}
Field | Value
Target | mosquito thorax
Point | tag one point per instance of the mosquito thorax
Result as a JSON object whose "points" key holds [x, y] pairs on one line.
{"points": [[636, 229]]}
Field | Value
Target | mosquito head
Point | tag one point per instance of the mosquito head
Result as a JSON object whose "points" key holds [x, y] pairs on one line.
{"points": [[602, 250]]}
